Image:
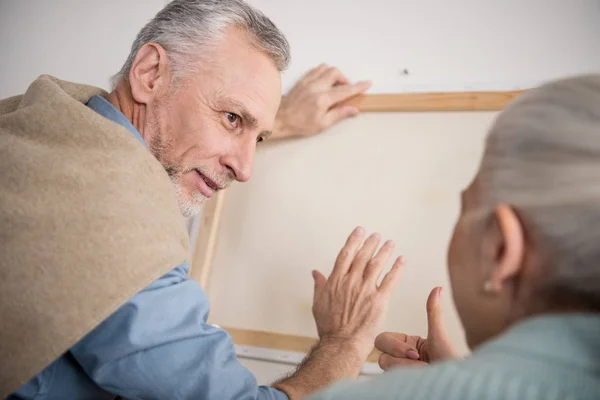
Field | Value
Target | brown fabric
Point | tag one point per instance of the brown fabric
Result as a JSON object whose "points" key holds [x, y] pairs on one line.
{"points": [[87, 219]]}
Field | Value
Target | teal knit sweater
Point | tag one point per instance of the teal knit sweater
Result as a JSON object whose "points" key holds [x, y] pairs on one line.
{"points": [[550, 357]]}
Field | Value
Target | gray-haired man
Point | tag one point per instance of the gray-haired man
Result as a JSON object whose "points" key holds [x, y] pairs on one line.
{"points": [[200, 89]]}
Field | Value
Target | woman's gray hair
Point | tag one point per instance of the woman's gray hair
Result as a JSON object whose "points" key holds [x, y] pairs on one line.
{"points": [[543, 158], [187, 29]]}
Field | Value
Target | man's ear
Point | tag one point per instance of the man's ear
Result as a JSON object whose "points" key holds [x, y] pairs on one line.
{"points": [[506, 246], [150, 74]]}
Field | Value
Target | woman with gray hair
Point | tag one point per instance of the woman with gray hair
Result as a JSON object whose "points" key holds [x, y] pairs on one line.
{"points": [[524, 265]]}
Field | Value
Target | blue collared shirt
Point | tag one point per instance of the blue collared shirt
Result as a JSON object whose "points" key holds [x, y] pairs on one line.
{"points": [[157, 346]]}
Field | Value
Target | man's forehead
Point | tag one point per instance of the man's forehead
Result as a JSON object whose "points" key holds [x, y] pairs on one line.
{"points": [[259, 101], [242, 77]]}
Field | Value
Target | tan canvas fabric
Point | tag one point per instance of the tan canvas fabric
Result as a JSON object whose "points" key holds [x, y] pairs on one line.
{"points": [[87, 219]]}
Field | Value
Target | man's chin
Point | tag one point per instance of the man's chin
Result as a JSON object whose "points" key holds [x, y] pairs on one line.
{"points": [[190, 204], [191, 208]]}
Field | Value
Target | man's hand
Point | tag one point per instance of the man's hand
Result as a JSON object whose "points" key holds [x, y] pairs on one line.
{"points": [[400, 349], [349, 308], [312, 105]]}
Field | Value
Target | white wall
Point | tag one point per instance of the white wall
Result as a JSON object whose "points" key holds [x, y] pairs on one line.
{"points": [[77, 40], [440, 42]]}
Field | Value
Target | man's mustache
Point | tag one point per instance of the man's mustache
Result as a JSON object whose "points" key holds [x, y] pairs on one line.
{"points": [[220, 181]]}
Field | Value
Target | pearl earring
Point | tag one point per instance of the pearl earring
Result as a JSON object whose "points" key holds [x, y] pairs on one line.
{"points": [[488, 286]]}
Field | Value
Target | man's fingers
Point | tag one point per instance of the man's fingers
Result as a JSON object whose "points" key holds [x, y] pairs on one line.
{"points": [[347, 254], [397, 345], [330, 76], [314, 73], [375, 266], [365, 254], [336, 114], [342, 80], [387, 362], [339, 93], [391, 279]]}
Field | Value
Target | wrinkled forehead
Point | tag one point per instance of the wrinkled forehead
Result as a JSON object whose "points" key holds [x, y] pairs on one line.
{"points": [[258, 89], [240, 70]]}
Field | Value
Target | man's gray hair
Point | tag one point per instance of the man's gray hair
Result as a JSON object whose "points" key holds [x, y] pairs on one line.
{"points": [[543, 158], [187, 29]]}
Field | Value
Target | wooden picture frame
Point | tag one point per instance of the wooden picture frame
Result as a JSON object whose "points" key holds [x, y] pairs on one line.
{"points": [[402, 102]]}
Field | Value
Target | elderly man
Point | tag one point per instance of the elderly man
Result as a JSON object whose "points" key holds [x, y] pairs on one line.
{"points": [[95, 286]]}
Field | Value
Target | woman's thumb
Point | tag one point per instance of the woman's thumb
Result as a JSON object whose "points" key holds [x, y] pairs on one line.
{"points": [[435, 317]]}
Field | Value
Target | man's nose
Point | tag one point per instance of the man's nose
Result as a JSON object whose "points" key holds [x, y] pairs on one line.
{"points": [[240, 160]]}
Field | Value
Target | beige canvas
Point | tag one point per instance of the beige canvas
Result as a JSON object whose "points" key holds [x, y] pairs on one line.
{"points": [[399, 174]]}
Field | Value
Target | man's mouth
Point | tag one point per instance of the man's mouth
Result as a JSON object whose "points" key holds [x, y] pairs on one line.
{"points": [[206, 186], [209, 182]]}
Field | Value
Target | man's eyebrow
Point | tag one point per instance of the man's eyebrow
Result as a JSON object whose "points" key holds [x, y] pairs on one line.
{"points": [[243, 112]]}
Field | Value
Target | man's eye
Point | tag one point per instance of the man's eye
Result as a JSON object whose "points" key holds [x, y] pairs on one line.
{"points": [[260, 139], [233, 119]]}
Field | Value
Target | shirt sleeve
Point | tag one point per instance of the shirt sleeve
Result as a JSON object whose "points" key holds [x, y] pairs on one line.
{"points": [[159, 346]]}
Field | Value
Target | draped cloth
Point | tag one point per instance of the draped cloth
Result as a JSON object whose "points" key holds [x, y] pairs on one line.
{"points": [[88, 217]]}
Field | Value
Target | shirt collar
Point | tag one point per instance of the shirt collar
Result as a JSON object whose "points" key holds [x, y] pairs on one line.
{"points": [[107, 110]]}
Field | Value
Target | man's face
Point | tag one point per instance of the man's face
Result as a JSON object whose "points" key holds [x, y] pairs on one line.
{"points": [[205, 133]]}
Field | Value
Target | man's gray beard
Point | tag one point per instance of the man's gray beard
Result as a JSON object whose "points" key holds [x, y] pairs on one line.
{"points": [[188, 207]]}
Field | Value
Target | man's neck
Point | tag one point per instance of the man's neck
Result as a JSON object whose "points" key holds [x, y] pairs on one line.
{"points": [[123, 101]]}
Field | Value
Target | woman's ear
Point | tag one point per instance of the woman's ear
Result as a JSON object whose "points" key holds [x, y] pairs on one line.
{"points": [[507, 248], [149, 75]]}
